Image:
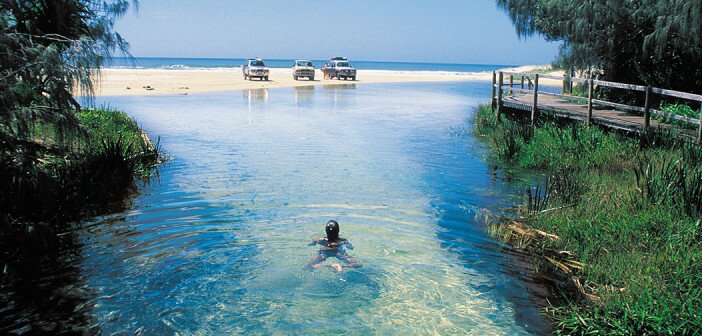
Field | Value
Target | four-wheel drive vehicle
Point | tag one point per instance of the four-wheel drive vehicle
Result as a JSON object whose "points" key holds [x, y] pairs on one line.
{"points": [[254, 67], [339, 68], [303, 68]]}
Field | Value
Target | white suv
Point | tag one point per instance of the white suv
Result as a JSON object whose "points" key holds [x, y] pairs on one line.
{"points": [[255, 67], [303, 68]]}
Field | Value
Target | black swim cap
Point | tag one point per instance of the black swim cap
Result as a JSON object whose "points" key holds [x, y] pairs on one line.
{"points": [[332, 230]]}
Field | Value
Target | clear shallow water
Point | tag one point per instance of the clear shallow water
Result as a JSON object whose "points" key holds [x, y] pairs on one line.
{"points": [[187, 63], [218, 243]]}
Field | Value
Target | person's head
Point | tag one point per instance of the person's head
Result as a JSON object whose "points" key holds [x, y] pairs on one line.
{"points": [[332, 230]]}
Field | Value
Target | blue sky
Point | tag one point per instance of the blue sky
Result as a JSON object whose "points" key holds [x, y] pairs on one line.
{"points": [[442, 31]]}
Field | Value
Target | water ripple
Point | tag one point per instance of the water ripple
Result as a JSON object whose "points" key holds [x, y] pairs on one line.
{"points": [[219, 243]]}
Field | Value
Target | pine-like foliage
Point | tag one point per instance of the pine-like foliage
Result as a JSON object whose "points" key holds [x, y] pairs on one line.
{"points": [[48, 49], [650, 42]]}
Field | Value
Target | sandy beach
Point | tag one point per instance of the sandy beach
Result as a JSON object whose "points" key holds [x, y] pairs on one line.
{"points": [[120, 82]]}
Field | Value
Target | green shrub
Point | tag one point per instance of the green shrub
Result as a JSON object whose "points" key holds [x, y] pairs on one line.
{"points": [[683, 110]]}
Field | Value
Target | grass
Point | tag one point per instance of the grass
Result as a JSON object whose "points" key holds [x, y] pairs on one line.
{"points": [[627, 209], [55, 178]]}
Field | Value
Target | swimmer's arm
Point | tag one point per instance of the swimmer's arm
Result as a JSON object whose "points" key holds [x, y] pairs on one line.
{"points": [[315, 241], [348, 244]]}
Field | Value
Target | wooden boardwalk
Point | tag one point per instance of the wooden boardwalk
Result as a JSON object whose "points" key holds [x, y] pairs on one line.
{"points": [[589, 110], [566, 108]]}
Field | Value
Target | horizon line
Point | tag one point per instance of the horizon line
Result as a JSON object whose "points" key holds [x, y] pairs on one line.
{"points": [[358, 60]]}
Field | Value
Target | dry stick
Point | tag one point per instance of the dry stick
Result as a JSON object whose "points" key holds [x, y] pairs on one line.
{"points": [[558, 208]]}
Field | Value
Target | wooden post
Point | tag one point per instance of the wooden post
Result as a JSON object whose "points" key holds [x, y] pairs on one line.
{"points": [[511, 83], [647, 109], [535, 101], [522, 84], [590, 89], [492, 96], [570, 81], [500, 80], [565, 84]]}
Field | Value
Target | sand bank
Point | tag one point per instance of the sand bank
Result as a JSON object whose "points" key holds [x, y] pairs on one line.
{"points": [[119, 82]]}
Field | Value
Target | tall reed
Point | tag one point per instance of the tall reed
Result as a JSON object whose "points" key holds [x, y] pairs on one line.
{"points": [[670, 182]]}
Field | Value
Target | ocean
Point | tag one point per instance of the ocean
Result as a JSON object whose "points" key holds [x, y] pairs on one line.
{"points": [[199, 63]]}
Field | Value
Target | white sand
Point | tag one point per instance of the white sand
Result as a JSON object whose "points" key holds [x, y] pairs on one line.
{"points": [[119, 82]]}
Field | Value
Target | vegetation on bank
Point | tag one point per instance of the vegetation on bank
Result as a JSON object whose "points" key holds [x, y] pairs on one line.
{"points": [[617, 220], [50, 182]]}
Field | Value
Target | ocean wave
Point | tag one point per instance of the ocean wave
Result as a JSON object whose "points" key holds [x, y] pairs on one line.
{"points": [[124, 67], [174, 66]]}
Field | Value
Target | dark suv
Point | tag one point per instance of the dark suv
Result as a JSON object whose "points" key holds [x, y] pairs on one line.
{"points": [[339, 67]]}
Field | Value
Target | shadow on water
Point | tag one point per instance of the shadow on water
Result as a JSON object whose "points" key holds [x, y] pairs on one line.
{"points": [[48, 296], [339, 87], [46, 293], [473, 192], [42, 289], [255, 95], [525, 290], [508, 271], [532, 289], [173, 264], [303, 95]]}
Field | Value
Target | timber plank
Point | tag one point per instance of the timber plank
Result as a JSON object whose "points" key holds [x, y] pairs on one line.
{"points": [[604, 115]]}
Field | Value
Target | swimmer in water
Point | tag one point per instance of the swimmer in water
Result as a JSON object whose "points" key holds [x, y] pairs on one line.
{"points": [[333, 246]]}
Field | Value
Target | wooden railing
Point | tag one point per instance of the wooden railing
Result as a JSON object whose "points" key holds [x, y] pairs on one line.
{"points": [[532, 87]]}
